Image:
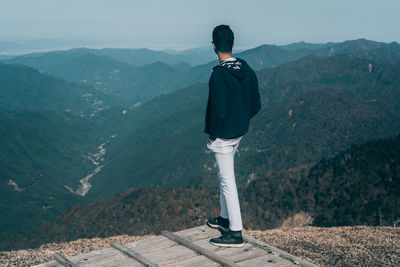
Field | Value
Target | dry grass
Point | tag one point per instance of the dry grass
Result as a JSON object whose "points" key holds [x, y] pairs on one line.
{"points": [[338, 246], [298, 220], [335, 246]]}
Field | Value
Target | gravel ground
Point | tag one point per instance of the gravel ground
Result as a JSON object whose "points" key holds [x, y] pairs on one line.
{"points": [[334, 246], [338, 246]]}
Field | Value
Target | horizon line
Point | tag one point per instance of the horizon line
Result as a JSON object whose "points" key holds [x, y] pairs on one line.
{"points": [[167, 48]]}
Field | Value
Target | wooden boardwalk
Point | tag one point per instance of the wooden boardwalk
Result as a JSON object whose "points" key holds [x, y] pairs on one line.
{"points": [[189, 247]]}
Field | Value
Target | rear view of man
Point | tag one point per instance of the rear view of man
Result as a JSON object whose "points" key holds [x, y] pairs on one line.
{"points": [[232, 101]]}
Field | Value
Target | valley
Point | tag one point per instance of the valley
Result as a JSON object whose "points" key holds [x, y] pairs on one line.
{"points": [[97, 159]]}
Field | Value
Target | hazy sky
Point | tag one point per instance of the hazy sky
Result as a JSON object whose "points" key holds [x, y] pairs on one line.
{"points": [[184, 24]]}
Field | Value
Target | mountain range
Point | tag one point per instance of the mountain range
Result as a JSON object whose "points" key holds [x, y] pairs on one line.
{"points": [[132, 56], [303, 118], [25, 88], [113, 71], [88, 113]]}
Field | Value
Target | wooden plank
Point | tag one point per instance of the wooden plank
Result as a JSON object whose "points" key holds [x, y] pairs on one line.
{"points": [[209, 254], [197, 261], [197, 229], [198, 233], [105, 257], [268, 260], [53, 263], [281, 253], [170, 255], [114, 262], [64, 260], [151, 244], [205, 243], [131, 253], [248, 251], [97, 256], [200, 228]]}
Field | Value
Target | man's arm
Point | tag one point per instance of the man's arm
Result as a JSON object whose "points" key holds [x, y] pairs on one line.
{"points": [[218, 101], [255, 103]]}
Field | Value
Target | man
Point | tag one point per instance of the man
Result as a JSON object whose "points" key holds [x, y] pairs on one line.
{"points": [[232, 101]]}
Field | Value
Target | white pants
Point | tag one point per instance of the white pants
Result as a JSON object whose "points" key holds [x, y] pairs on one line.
{"points": [[224, 150]]}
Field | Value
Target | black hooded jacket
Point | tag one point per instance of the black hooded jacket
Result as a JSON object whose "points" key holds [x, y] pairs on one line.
{"points": [[233, 99]]}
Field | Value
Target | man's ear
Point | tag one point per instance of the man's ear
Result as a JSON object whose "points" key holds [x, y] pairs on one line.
{"points": [[233, 43], [214, 46]]}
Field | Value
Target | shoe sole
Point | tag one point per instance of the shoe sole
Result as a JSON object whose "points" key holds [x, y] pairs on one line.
{"points": [[227, 245], [218, 227]]}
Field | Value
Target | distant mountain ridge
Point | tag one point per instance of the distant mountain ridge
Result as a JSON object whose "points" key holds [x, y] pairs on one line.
{"points": [[25, 88], [113, 71], [131, 56], [379, 52], [128, 83], [305, 45], [272, 56]]}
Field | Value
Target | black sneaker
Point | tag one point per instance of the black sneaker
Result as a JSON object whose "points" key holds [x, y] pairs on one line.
{"points": [[219, 223], [229, 239]]}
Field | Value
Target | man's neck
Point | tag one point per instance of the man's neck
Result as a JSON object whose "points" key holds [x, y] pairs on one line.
{"points": [[224, 56]]}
